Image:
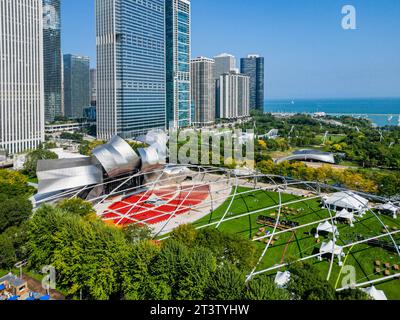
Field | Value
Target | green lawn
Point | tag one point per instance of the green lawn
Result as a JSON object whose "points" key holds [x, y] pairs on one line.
{"points": [[302, 243]]}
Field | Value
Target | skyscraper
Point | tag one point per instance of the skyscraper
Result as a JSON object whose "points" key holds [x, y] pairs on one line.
{"points": [[178, 53], [130, 67], [76, 85], [52, 59], [233, 96], [253, 66], [224, 63], [21, 75], [203, 90]]}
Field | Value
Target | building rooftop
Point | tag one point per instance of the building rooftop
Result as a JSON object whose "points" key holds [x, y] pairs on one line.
{"points": [[223, 55], [197, 59], [12, 280]]}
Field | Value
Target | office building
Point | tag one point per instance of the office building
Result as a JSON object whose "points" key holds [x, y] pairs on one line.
{"points": [[52, 59], [203, 90], [178, 53], [130, 67], [224, 63], [76, 85], [21, 75], [253, 66], [233, 96]]}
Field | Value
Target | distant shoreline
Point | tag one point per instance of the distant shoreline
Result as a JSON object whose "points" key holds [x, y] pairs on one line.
{"points": [[381, 111]]}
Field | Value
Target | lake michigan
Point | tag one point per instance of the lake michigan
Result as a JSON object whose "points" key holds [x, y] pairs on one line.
{"points": [[381, 111]]}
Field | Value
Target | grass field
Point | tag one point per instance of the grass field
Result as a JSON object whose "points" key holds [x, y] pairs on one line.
{"points": [[302, 243]]}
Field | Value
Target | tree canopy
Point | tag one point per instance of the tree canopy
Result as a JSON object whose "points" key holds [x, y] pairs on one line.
{"points": [[13, 183], [13, 211], [33, 157]]}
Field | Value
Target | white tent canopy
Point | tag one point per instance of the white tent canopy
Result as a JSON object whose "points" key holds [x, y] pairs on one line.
{"points": [[331, 247], [374, 293], [346, 200], [389, 207], [326, 227], [282, 279], [344, 214]]}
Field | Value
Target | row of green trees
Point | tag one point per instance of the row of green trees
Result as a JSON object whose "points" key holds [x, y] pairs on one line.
{"points": [[103, 262], [386, 183]]}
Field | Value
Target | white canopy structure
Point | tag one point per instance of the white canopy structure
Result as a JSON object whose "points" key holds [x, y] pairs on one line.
{"points": [[326, 227], [344, 214], [375, 293], [346, 200], [282, 279], [389, 207], [331, 247]]}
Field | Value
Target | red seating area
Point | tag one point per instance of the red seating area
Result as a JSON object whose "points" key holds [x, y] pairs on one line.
{"points": [[139, 209]]}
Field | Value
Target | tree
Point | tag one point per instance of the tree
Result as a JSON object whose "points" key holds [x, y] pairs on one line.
{"points": [[77, 207], [32, 159], [135, 233], [7, 253], [87, 147], [352, 294], [137, 281], [263, 287], [13, 183], [185, 270], [185, 234], [228, 248], [86, 254], [77, 137], [306, 283], [18, 238], [50, 145], [227, 283], [13, 211]]}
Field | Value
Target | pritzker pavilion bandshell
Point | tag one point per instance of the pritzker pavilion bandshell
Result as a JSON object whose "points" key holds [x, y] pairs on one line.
{"points": [[289, 212]]}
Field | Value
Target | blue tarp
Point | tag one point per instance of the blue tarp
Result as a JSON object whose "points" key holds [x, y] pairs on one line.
{"points": [[13, 298], [2, 286], [30, 299], [46, 297]]}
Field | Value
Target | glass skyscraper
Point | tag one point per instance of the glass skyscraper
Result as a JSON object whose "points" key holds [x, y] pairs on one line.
{"points": [[178, 21], [76, 85], [52, 59], [253, 66], [130, 67]]}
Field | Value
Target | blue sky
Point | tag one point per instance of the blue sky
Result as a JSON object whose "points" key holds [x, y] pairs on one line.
{"points": [[307, 53]]}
